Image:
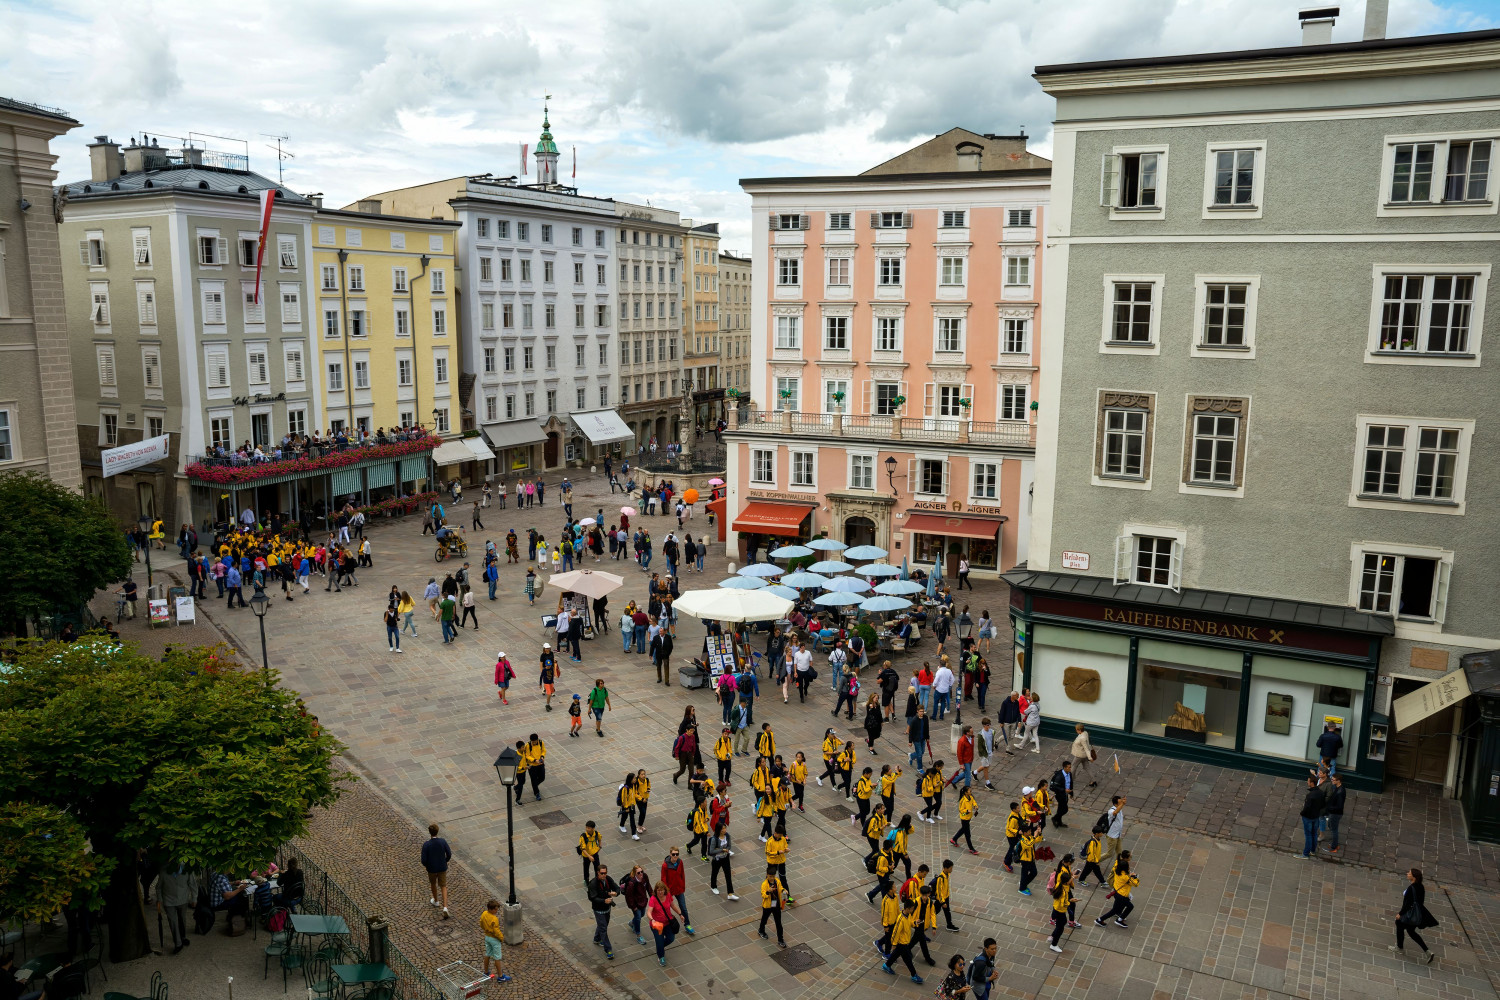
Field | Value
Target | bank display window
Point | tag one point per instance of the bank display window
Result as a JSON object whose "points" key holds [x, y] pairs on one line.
{"points": [[1188, 693], [1081, 676], [982, 553], [1292, 700]]}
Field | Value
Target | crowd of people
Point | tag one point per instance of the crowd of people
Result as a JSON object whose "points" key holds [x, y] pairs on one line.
{"points": [[295, 446]]}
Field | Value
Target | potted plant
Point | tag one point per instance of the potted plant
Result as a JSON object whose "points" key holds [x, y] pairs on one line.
{"points": [[838, 399]]}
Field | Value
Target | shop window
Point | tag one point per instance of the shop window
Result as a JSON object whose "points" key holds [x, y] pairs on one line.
{"points": [[1292, 701], [1194, 704]]}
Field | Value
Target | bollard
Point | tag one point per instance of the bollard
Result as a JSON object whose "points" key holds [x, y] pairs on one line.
{"points": [[515, 930], [379, 931]]}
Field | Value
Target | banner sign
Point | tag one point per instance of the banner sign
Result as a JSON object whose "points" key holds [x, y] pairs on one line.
{"points": [[133, 456]]}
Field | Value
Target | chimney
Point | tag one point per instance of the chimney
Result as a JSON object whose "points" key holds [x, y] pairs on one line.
{"points": [[104, 159], [1375, 12], [370, 206], [970, 156], [135, 156], [1317, 24], [192, 156], [316, 197]]}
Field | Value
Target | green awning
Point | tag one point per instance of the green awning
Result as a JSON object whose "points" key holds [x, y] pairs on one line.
{"points": [[380, 475], [342, 482]]}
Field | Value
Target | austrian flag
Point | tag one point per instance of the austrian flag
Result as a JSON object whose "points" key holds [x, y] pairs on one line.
{"points": [[267, 199]]}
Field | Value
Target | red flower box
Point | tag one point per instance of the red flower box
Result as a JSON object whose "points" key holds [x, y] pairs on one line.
{"points": [[226, 475]]}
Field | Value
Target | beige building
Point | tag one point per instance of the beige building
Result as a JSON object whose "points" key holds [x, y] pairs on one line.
{"points": [[734, 323], [650, 257], [700, 326], [36, 381]]}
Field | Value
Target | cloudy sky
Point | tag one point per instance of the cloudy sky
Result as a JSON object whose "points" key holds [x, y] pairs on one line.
{"points": [[670, 102]]}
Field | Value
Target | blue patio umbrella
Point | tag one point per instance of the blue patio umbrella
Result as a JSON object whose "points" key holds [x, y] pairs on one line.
{"points": [[933, 578], [884, 602], [781, 591], [790, 552], [742, 583], [804, 580], [761, 569], [865, 552], [831, 566], [827, 545], [837, 600], [846, 585], [896, 588], [905, 573], [877, 569]]}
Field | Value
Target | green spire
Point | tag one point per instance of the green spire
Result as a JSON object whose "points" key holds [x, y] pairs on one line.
{"points": [[545, 143]]}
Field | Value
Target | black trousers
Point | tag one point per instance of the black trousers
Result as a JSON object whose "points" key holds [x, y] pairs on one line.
{"points": [[864, 809], [1092, 867], [721, 865], [723, 771], [696, 838], [1122, 907], [772, 913], [627, 818], [882, 886], [902, 953], [963, 831], [590, 862], [780, 872], [1028, 872], [1404, 929]]}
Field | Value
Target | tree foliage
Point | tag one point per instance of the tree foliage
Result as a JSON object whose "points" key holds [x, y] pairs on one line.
{"points": [[46, 863], [59, 547], [193, 759]]}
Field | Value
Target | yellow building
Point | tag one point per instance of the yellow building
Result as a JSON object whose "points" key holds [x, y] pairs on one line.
{"points": [[387, 322], [700, 296]]}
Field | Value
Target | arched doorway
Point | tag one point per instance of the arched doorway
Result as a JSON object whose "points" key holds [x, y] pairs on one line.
{"points": [[661, 432], [859, 531], [549, 450]]}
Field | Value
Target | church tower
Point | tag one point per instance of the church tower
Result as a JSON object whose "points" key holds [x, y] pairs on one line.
{"points": [[546, 153]]}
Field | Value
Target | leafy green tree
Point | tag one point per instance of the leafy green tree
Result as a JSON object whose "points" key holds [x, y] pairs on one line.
{"points": [[45, 862], [59, 548], [193, 760]]}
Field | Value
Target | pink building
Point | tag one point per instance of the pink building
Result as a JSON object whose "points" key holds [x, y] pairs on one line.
{"points": [[894, 357]]}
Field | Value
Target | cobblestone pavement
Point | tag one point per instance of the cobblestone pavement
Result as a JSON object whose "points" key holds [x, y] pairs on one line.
{"points": [[1224, 909]]}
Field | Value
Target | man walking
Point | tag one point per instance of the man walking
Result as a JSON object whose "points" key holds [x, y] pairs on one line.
{"points": [[1330, 743], [1009, 717], [1115, 828], [1333, 809], [435, 857], [1061, 787], [602, 893], [598, 702], [1312, 808]]}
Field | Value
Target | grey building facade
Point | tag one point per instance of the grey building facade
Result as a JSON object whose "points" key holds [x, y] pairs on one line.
{"points": [[1267, 454]]}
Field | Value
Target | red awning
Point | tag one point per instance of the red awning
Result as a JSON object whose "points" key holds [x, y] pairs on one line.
{"points": [[766, 518], [952, 525]]}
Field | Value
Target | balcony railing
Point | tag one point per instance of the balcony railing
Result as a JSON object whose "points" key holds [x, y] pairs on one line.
{"points": [[238, 467], [881, 427]]}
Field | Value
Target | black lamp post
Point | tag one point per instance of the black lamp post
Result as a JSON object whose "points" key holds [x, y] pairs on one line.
{"points": [[505, 767], [260, 604], [890, 473], [145, 523]]}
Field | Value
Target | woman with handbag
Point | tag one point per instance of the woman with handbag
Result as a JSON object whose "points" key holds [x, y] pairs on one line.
{"points": [[1084, 754], [1414, 916], [664, 916]]}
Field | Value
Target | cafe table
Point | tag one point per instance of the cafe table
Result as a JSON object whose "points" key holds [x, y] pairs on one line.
{"points": [[320, 925], [41, 966], [355, 975]]}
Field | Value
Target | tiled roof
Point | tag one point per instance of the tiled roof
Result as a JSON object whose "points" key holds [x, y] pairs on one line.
{"points": [[186, 179]]}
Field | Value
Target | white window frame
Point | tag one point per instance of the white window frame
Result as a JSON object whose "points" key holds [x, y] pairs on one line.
{"points": [[861, 461], [1127, 553], [290, 296], [294, 364], [761, 460], [361, 371], [99, 304], [830, 386], [401, 325], [843, 264], [10, 440], [897, 266], [1023, 264], [1385, 208], [145, 301], [1417, 624], [257, 364], [789, 333], [1025, 326], [941, 345], [843, 322], [330, 278], [1470, 359], [1109, 188], [215, 313], [914, 479], [990, 471], [108, 370], [356, 274], [1256, 208], [789, 272], [953, 270], [808, 471], [216, 362], [1405, 499], [1201, 282], [286, 251], [793, 382], [140, 248], [1013, 389], [1097, 476], [331, 369], [1152, 346], [898, 325]]}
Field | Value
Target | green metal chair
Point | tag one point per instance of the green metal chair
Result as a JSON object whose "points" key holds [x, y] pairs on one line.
{"points": [[320, 981], [158, 991], [292, 960]]}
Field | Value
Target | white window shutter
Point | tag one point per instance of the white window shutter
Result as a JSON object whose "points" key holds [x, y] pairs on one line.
{"points": [[103, 254], [947, 482], [867, 393], [106, 368], [805, 223], [223, 251], [1108, 179], [874, 220], [774, 219], [905, 220], [1124, 557], [1440, 599], [1174, 576], [912, 482], [901, 388], [83, 253], [929, 393], [142, 248]]}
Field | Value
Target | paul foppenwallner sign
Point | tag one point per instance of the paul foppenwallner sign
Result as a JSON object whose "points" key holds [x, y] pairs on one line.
{"points": [[1430, 699], [133, 456]]}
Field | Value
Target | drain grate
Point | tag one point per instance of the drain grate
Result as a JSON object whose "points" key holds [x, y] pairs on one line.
{"points": [[839, 814], [548, 820], [797, 959]]}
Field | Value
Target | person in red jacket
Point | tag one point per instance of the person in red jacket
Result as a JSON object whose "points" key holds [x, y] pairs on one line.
{"points": [[718, 807], [674, 874], [965, 769]]}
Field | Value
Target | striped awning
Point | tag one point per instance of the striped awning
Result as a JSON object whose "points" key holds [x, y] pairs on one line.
{"points": [[380, 475]]}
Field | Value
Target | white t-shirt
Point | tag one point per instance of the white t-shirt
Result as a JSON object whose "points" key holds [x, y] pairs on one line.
{"points": [[802, 659], [942, 681]]}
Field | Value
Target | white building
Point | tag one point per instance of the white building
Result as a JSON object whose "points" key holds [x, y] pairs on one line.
{"points": [[649, 253]]}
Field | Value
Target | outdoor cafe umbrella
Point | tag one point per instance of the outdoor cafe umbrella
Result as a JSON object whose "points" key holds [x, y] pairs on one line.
{"points": [[830, 566], [865, 552], [733, 605], [846, 585], [780, 591], [934, 577], [827, 545], [895, 588], [742, 583], [791, 552], [877, 569], [588, 582], [884, 602], [804, 579], [761, 569], [837, 600]]}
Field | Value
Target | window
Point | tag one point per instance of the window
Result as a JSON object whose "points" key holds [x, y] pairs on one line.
{"points": [[259, 370], [361, 374], [1015, 336], [523, 231], [438, 282], [528, 357], [1426, 313], [1018, 217], [212, 250], [291, 305], [213, 306], [220, 433], [887, 333], [151, 371], [1123, 436], [507, 315], [1413, 460], [546, 233], [403, 371], [1132, 315], [486, 316], [549, 316], [578, 315], [330, 278], [91, 251], [106, 357], [802, 468], [547, 271], [986, 481], [787, 328], [604, 395], [510, 407], [578, 272], [948, 397], [954, 220], [356, 278], [439, 321], [357, 323], [504, 268], [1234, 178], [145, 303], [950, 333], [529, 400], [599, 274], [440, 420], [482, 228], [839, 220], [331, 324], [1468, 171], [216, 368], [510, 359], [109, 428], [1224, 307], [335, 376], [1018, 270], [762, 465], [1013, 400], [889, 272], [885, 398], [551, 400], [578, 356], [486, 269], [831, 388], [650, 351], [598, 237], [890, 220], [502, 229], [836, 333], [286, 251], [155, 426], [1403, 581], [99, 311], [788, 271], [526, 317], [1215, 449], [788, 394], [838, 270], [491, 409], [1131, 180], [931, 476], [861, 472], [1461, 166], [551, 356], [601, 315], [953, 271], [1154, 561], [140, 240], [604, 353], [525, 269]]}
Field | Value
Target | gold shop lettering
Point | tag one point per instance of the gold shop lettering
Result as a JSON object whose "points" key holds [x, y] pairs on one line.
{"points": [[1197, 626]]}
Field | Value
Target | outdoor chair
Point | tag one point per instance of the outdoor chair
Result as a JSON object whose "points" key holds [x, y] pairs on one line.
{"points": [[292, 960], [158, 991], [9, 937], [320, 981]]}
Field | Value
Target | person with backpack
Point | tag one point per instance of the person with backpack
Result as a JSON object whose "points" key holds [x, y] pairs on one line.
{"points": [[536, 765], [967, 809], [1122, 881], [1012, 835], [890, 903], [875, 829], [941, 894], [637, 892], [748, 687], [1113, 820], [903, 930], [776, 851], [898, 839], [1062, 786], [1091, 853], [862, 792], [1026, 854], [642, 798], [723, 751], [1062, 899], [848, 691], [917, 738], [698, 824], [982, 970], [720, 850], [831, 746], [772, 897], [625, 803], [888, 777], [674, 875], [589, 848], [685, 750], [889, 681], [765, 743], [575, 716], [726, 692]]}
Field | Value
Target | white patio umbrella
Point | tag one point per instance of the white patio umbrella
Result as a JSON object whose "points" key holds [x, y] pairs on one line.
{"points": [[588, 582], [791, 552], [865, 552], [827, 545], [588, 522], [884, 602], [761, 569], [878, 569], [804, 579], [781, 591], [846, 585], [742, 583], [830, 566], [733, 605], [895, 588], [837, 600]]}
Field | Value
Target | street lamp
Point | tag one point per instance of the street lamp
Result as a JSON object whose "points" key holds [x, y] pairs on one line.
{"points": [[505, 766], [145, 523], [260, 604], [890, 474]]}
